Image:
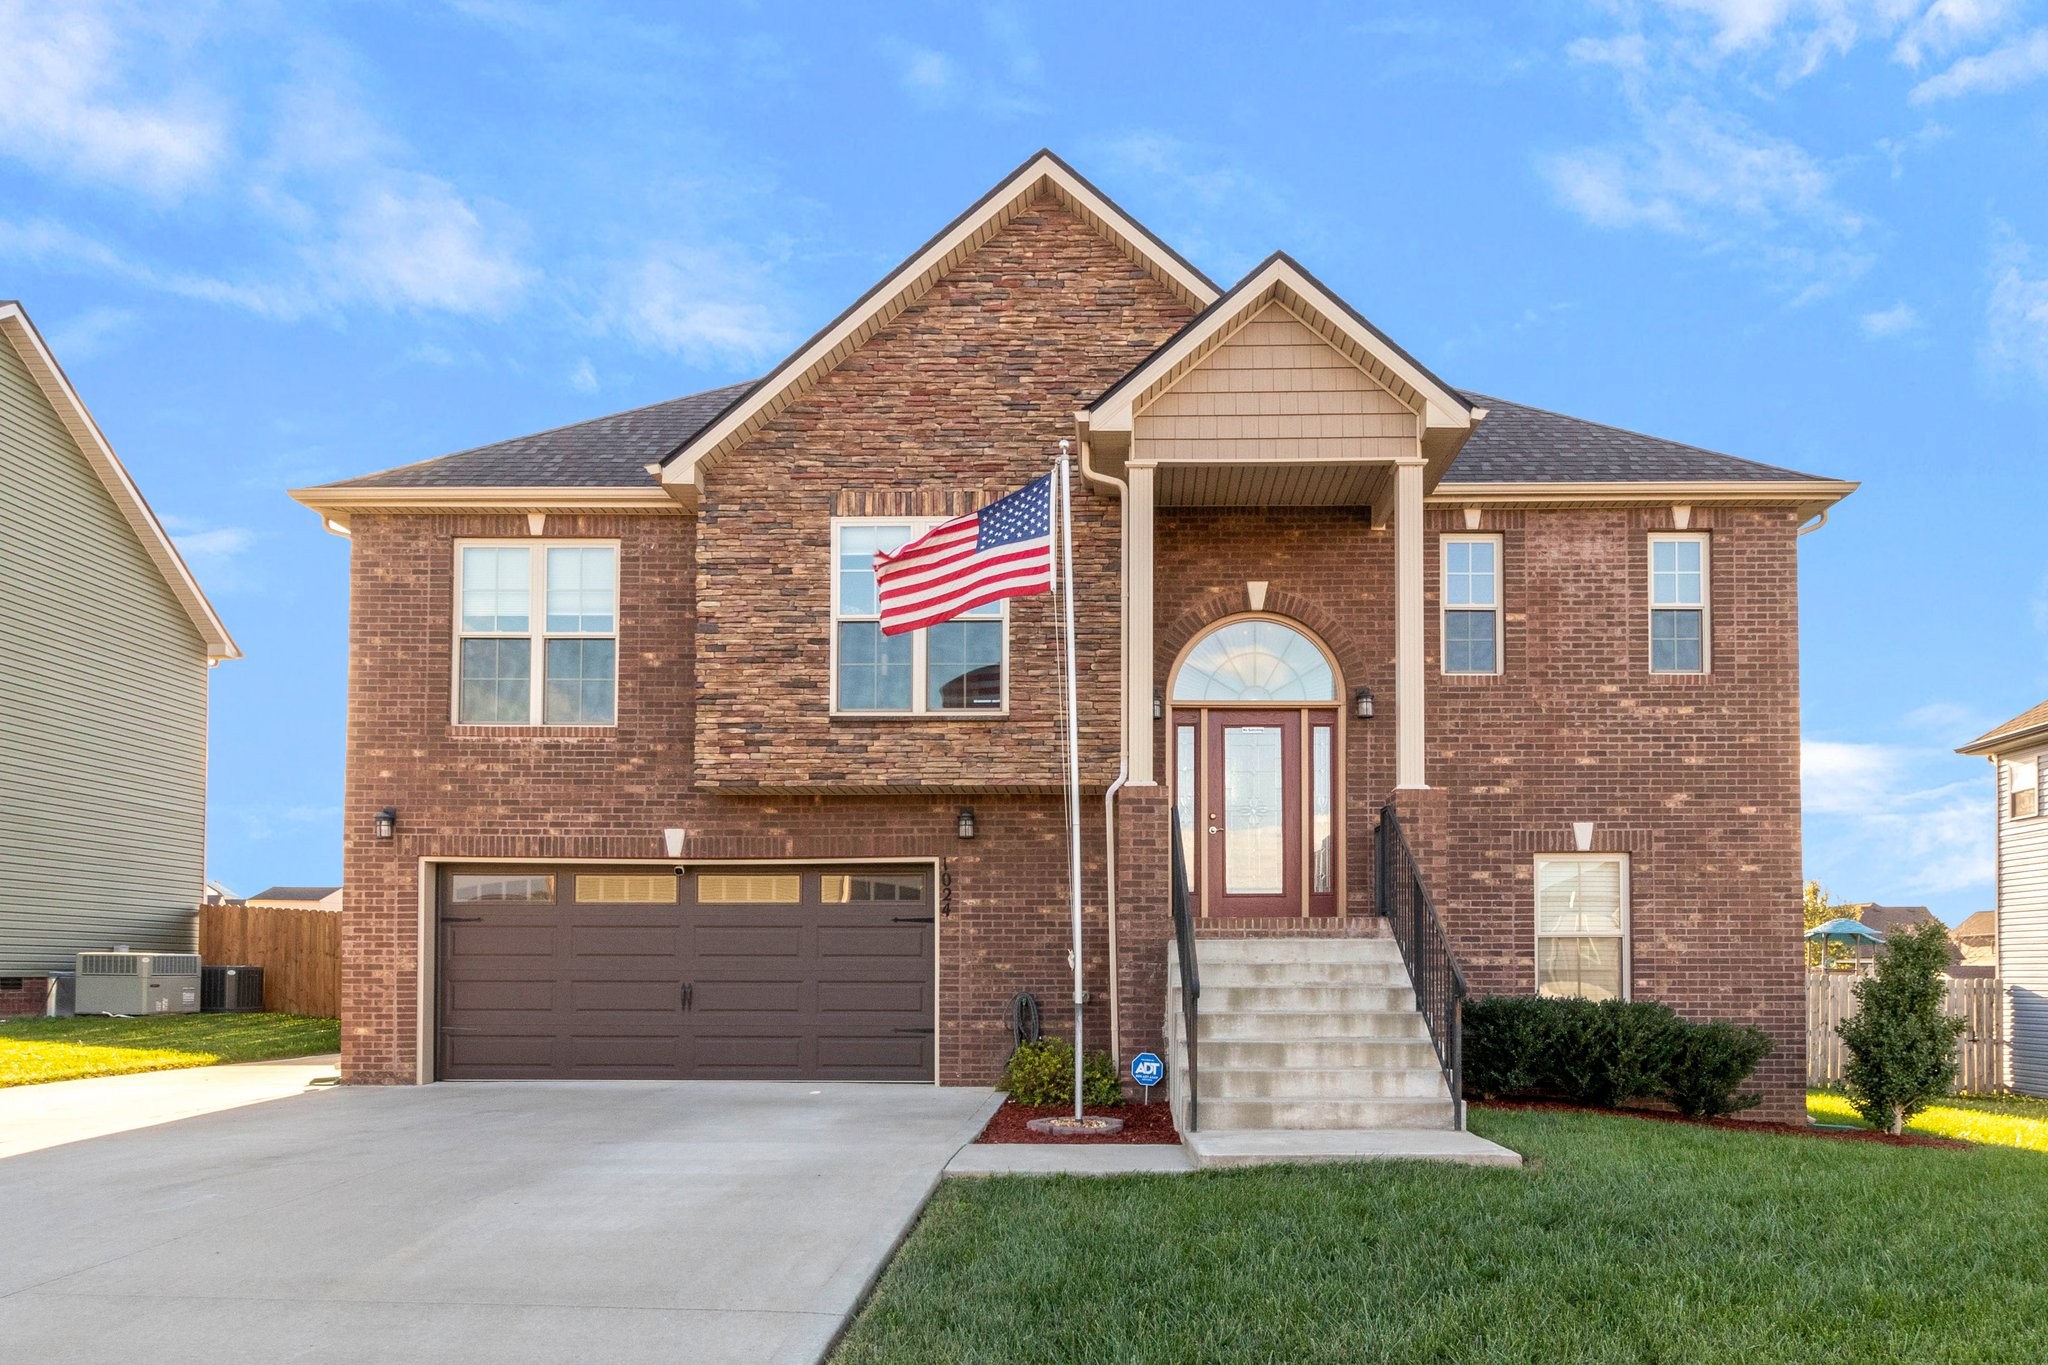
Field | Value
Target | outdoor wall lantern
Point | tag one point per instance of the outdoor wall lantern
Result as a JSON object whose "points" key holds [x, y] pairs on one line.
{"points": [[1362, 701], [387, 822], [966, 822], [1158, 706]]}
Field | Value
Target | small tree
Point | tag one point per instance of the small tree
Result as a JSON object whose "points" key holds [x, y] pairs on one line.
{"points": [[1902, 1046]]}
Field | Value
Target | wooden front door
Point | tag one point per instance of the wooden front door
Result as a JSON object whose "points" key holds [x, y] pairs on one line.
{"points": [[1252, 825]]}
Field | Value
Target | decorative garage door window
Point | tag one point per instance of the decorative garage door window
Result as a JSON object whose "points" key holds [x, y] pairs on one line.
{"points": [[614, 889], [858, 889], [749, 888], [467, 888]]}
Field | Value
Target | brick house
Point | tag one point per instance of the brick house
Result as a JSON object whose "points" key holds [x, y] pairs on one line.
{"points": [[636, 787]]}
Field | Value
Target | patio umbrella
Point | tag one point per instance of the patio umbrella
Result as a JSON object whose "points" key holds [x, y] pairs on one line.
{"points": [[1849, 931]]}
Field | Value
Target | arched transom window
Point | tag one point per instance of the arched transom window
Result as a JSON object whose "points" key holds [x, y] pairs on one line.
{"points": [[1255, 661]]}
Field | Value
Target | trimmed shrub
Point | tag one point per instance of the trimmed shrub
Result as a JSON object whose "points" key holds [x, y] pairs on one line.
{"points": [[1709, 1066], [1605, 1053], [1042, 1073], [1902, 1045]]}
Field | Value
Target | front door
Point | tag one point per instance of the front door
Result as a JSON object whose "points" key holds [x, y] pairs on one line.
{"points": [[1252, 826]]}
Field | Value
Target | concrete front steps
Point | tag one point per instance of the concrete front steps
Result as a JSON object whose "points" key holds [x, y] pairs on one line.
{"points": [[1311, 1049]]}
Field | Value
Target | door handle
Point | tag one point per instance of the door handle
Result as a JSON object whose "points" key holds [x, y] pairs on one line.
{"points": [[1214, 830], [689, 995]]}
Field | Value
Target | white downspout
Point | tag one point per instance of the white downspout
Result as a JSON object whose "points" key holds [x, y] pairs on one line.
{"points": [[1089, 472]]}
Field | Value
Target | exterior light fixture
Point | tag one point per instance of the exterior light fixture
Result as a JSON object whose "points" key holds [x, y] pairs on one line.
{"points": [[386, 823], [1361, 700], [965, 824], [1158, 706]]}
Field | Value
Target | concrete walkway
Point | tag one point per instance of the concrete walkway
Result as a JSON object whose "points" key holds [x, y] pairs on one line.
{"points": [[511, 1222], [33, 1117]]}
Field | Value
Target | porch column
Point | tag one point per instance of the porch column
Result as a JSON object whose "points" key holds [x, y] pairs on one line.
{"points": [[1138, 679], [1409, 730]]}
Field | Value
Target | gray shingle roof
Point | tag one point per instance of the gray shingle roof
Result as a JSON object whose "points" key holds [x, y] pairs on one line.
{"points": [[1518, 444], [293, 893], [605, 452], [1515, 444]]}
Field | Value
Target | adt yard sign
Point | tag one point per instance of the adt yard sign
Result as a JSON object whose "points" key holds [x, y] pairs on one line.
{"points": [[1147, 1070]]}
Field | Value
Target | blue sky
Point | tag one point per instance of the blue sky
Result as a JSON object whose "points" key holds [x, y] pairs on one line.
{"points": [[275, 244]]}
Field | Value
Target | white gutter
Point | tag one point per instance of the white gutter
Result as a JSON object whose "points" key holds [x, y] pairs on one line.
{"points": [[1088, 472]]}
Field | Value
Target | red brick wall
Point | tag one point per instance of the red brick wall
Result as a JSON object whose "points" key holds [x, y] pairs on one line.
{"points": [[723, 683], [30, 997]]}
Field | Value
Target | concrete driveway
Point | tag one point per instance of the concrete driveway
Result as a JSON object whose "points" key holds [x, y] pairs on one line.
{"points": [[539, 1221]]}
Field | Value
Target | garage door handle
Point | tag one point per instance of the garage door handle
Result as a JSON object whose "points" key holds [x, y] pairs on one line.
{"points": [[462, 919], [689, 994], [910, 919]]}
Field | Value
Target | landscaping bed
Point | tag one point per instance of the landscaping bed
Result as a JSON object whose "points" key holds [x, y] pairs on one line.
{"points": [[1853, 1134], [1621, 1241], [35, 1051], [1143, 1123]]}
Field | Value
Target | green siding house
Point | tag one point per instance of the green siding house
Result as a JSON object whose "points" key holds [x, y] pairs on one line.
{"points": [[105, 642]]}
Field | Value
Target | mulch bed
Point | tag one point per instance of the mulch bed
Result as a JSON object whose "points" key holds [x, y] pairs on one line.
{"points": [[1143, 1123], [1740, 1125]]}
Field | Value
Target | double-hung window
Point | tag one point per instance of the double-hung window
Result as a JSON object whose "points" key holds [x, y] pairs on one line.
{"points": [[537, 633], [2023, 786], [956, 666], [1471, 603], [1582, 926], [1680, 639]]}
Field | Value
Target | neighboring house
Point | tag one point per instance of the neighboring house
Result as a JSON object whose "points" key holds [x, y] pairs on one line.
{"points": [[103, 679], [2016, 751], [1976, 940], [637, 788], [296, 898], [217, 894]]}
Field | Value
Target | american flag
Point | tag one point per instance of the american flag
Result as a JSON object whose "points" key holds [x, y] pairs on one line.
{"points": [[1003, 550]]}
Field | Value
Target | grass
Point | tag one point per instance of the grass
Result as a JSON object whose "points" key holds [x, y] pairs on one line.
{"points": [[1996, 1120], [1624, 1240], [33, 1051]]}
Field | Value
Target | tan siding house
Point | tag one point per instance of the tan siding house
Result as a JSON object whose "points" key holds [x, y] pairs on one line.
{"points": [[105, 642], [2017, 750]]}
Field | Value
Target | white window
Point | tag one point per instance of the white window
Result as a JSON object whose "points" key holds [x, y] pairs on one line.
{"points": [[956, 666], [1582, 926], [2023, 786], [536, 633], [1471, 604], [1679, 630]]}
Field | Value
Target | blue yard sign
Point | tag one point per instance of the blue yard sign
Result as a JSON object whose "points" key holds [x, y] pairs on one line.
{"points": [[1147, 1070]]}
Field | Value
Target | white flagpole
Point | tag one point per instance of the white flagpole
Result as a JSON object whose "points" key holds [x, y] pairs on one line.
{"points": [[1073, 759]]}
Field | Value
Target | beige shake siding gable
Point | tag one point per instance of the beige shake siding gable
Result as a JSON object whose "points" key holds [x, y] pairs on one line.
{"points": [[103, 690]]}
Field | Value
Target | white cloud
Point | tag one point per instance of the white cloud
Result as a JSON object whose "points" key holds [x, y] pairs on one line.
{"points": [[1896, 320], [1699, 173], [707, 305], [88, 333], [2018, 62], [222, 542], [929, 76], [410, 241], [1947, 24], [2016, 321], [73, 107], [1891, 821], [583, 378]]}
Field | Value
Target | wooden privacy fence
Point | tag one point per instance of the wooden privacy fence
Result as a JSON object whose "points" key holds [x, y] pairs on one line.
{"points": [[298, 950], [1831, 1000]]}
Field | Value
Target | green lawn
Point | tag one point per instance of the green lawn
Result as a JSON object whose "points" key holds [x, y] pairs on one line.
{"points": [[1998, 1120], [36, 1050], [1625, 1240]]}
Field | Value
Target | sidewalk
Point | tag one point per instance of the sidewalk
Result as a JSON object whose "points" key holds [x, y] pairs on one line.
{"points": [[33, 1117]]}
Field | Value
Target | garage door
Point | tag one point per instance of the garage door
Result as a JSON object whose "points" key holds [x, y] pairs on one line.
{"points": [[761, 973]]}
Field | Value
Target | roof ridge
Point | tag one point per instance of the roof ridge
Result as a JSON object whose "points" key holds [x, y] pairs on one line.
{"points": [[1484, 399]]}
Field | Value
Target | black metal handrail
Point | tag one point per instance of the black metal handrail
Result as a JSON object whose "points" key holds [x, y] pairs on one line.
{"points": [[1426, 948], [1190, 976]]}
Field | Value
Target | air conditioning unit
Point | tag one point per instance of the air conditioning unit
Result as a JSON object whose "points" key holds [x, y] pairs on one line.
{"points": [[138, 983], [231, 990]]}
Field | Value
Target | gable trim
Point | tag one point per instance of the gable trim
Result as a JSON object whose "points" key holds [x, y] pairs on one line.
{"points": [[685, 466], [106, 466]]}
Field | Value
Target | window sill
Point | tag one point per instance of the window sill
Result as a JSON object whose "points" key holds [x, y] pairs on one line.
{"points": [[458, 731], [895, 717]]}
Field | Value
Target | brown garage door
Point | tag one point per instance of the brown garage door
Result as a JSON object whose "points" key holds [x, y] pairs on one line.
{"points": [[763, 973]]}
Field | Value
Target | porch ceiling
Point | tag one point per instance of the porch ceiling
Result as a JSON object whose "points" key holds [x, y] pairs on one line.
{"points": [[1269, 483]]}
